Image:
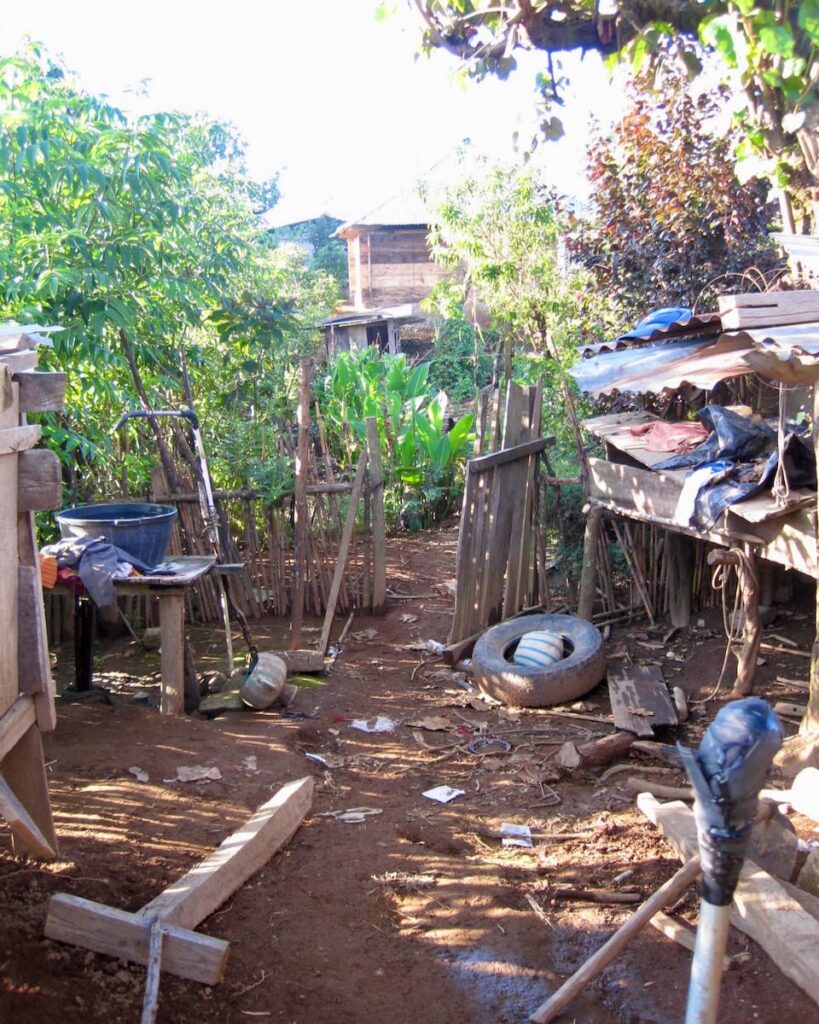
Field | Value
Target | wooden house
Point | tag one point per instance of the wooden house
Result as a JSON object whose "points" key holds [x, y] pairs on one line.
{"points": [[390, 272]]}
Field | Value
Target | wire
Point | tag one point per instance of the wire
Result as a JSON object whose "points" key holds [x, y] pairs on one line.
{"points": [[719, 581]]}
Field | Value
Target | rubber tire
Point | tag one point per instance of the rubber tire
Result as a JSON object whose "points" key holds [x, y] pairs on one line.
{"points": [[564, 680]]}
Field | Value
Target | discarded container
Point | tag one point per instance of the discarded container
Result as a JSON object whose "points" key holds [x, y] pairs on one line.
{"points": [[538, 649], [265, 682]]}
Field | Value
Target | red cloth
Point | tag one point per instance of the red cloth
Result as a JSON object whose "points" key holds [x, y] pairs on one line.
{"points": [[670, 437]]}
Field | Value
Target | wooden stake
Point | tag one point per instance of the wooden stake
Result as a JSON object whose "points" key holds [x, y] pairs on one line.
{"points": [[378, 521], [349, 526], [301, 525]]}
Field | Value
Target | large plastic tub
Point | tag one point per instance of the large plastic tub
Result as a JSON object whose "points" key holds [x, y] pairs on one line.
{"points": [[142, 530]]}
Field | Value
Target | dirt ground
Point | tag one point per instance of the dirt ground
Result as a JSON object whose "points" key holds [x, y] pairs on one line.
{"points": [[416, 913]]}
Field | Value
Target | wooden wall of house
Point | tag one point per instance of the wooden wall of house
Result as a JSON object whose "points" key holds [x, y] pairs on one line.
{"points": [[390, 266]]}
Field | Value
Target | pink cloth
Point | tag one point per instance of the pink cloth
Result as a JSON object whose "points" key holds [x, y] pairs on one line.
{"points": [[670, 437]]}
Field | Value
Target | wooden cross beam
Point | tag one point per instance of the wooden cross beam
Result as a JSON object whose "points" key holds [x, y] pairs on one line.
{"points": [[188, 901]]}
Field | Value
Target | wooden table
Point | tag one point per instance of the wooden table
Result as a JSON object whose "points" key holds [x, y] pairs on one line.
{"points": [[170, 589]]}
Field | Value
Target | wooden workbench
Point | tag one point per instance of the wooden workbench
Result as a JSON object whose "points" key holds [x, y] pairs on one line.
{"points": [[170, 590]]}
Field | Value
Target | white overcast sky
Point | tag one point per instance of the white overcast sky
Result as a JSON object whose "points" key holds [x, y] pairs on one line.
{"points": [[333, 101]]}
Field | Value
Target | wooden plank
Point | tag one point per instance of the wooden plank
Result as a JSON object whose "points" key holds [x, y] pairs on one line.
{"points": [[197, 894], [23, 768], [41, 682], [647, 492], [379, 525], [125, 936], [39, 481], [768, 309], [15, 723], [34, 670], [9, 417], [298, 662], [22, 824], [763, 909], [512, 454], [301, 525], [343, 548], [502, 502], [680, 933], [18, 361], [172, 654], [41, 392], [19, 439], [640, 699], [462, 559]]}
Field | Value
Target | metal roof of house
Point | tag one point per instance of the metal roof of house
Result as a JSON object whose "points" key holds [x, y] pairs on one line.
{"points": [[404, 210], [406, 313]]}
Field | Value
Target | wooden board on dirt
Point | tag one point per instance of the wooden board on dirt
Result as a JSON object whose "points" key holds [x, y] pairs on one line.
{"points": [[639, 699]]}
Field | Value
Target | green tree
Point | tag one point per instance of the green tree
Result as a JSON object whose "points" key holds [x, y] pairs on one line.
{"points": [[142, 239], [768, 49]]}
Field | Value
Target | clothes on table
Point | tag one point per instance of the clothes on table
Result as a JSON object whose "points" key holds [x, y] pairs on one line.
{"points": [[97, 562]]}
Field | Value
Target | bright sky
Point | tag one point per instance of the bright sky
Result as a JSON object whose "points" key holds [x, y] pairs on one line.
{"points": [[334, 101]]}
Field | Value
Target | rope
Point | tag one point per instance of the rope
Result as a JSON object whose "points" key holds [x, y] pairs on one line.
{"points": [[720, 579]]}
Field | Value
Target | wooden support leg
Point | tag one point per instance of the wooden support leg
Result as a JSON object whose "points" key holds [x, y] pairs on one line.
{"points": [[680, 551], [172, 632], [588, 576], [24, 770]]}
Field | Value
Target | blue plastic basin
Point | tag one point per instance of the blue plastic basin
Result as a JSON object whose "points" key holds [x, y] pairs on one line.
{"points": [[141, 529]]}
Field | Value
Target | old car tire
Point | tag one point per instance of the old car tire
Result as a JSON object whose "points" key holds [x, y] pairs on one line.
{"points": [[580, 671]]}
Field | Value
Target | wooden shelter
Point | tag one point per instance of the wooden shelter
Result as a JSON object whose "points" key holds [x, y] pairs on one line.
{"points": [[776, 337]]}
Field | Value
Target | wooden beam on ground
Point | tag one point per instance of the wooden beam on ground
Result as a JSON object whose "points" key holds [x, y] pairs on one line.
{"points": [[343, 548], [189, 900], [203, 889], [763, 908], [126, 936], [639, 699], [379, 522]]}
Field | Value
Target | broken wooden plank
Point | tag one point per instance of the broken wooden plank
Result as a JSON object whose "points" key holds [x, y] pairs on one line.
{"points": [[126, 936], [763, 909], [203, 889], [639, 699], [22, 824]]}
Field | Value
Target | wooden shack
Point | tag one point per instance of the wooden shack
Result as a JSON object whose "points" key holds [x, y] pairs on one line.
{"points": [[390, 272]]}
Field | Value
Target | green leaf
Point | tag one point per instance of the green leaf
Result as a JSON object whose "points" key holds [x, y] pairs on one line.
{"points": [[808, 19], [777, 39]]}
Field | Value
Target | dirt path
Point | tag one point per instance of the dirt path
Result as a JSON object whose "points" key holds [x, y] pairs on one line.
{"points": [[417, 914]]}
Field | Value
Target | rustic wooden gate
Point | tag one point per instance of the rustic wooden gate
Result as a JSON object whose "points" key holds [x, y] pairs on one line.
{"points": [[499, 567]]}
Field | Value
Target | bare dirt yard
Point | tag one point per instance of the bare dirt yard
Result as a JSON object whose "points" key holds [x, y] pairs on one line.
{"points": [[415, 913]]}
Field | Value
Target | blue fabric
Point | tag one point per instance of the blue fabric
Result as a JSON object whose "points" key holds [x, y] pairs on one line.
{"points": [[657, 319]]}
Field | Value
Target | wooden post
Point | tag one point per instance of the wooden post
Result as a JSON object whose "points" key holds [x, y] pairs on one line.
{"points": [[378, 521], [809, 726], [680, 553], [300, 522], [172, 657], [588, 575]]}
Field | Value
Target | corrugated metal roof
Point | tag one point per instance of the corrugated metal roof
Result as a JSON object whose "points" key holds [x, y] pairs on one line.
{"points": [[407, 209], [691, 326], [788, 354]]}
